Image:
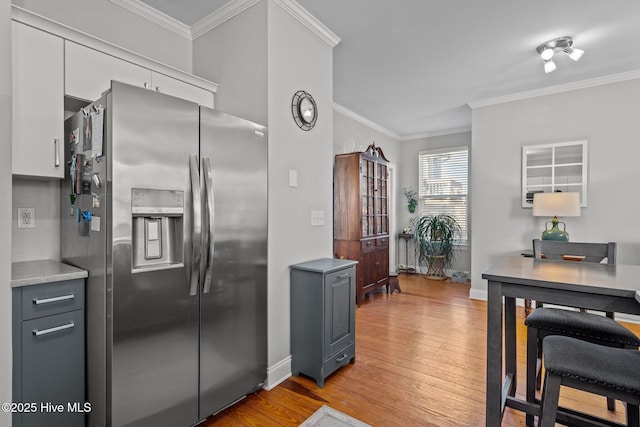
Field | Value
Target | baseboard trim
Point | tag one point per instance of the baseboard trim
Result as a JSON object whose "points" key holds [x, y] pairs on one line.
{"points": [[278, 373], [478, 294]]}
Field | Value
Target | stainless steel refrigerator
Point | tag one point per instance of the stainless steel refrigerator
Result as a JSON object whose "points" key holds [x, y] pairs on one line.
{"points": [[165, 204]]}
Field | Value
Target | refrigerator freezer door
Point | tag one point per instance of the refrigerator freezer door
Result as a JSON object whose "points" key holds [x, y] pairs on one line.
{"points": [[154, 334], [233, 330]]}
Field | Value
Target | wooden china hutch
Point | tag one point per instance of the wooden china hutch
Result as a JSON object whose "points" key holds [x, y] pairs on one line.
{"points": [[361, 216]]}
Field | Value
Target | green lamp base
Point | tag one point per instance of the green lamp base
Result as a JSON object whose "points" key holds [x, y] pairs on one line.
{"points": [[554, 233]]}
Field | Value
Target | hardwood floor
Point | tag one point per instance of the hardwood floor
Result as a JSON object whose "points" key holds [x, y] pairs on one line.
{"points": [[420, 361]]}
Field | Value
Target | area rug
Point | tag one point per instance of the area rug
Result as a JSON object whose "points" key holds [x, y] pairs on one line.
{"points": [[329, 417]]}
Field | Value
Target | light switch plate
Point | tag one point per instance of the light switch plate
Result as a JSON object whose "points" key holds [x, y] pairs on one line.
{"points": [[293, 178], [26, 218], [317, 218]]}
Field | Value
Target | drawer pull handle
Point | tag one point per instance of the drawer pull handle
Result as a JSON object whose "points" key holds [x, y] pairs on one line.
{"points": [[343, 275], [341, 358], [38, 333], [38, 301]]}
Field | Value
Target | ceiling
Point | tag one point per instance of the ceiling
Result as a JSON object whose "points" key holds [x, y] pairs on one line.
{"points": [[411, 66]]}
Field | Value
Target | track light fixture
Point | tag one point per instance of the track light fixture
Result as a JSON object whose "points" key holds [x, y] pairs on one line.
{"points": [[560, 44]]}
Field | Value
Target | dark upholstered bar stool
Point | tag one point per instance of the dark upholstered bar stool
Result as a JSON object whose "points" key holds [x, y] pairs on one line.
{"points": [[590, 327], [611, 372]]}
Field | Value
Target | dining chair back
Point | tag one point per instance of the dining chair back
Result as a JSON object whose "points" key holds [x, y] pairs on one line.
{"points": [[575, 251]]}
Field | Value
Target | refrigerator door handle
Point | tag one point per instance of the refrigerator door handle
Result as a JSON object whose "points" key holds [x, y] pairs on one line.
{"points": [[197, 224], [210, 204]]}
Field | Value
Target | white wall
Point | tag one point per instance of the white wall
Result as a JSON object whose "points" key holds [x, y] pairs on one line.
{"points": [[607, 116], [261, 58], [298, 60], [408, 177], [5, 209], [234, 55], [108, 21], [42, 242], [350, 135]]}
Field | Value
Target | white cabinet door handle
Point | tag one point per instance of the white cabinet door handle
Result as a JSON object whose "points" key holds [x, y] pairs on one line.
{"points": [[56, 152]]}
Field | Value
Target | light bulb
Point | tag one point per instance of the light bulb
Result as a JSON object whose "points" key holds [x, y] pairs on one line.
{"points": [[546, 54], [574, 53], [549, 66]]}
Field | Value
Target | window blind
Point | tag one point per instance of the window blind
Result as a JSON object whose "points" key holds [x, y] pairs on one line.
{"points": [[444, 184]]}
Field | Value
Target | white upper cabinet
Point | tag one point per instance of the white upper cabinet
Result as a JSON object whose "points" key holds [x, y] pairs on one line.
{"points": [[37, 103], [180, 89], [88, 72]]}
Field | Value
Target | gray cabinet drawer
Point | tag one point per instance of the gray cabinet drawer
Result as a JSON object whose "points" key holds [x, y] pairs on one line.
{"points": [[341, 358], [52, 298], [53, 368]]}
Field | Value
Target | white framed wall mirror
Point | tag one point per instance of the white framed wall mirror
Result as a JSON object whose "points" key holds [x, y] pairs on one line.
{"points": [[554, 167]]}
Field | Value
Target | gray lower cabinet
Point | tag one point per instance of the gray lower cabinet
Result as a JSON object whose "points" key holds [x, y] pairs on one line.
{"points": [[323, 315], [48, 355]]}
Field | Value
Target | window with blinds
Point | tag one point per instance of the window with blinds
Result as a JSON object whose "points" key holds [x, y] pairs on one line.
{"points": [[444, 184]]}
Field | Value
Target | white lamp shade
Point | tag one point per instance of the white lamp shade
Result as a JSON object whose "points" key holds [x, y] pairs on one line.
{"points": [[556, 204]]}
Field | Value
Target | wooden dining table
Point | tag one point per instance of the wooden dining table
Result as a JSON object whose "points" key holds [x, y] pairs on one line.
{"points": [[593, 286]]}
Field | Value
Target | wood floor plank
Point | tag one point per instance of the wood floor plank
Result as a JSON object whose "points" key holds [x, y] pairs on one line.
{"points": [[420, 361]]}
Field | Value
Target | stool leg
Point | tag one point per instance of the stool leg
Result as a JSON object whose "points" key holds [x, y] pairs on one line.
{"points": [[550, 396], [532, 359], [633, 415], [538, 359]]}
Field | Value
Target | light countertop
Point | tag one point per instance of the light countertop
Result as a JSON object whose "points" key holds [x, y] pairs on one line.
{"points": [[27, 273]]}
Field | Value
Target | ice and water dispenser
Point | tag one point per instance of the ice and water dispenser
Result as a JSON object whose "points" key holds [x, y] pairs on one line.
{"points": [[157, 229]]}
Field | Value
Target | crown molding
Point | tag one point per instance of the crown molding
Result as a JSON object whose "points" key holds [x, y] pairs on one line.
{"points": [[358, 118], [436, 133], [309, 21], [225, 13], [156, 16], [551, 90]]}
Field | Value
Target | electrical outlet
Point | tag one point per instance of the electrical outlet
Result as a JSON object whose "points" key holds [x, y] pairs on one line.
{"points": [[26, 218], [317, 218]]}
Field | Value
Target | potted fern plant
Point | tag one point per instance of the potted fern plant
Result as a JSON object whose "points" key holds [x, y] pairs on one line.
{"points": [[435, 236]]}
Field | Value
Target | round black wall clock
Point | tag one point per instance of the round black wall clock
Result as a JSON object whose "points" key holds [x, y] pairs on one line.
{"points": [[304, 110]]}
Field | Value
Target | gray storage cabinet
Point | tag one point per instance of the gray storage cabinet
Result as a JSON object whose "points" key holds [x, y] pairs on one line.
{"points": [[48, 354], [323, 317]]}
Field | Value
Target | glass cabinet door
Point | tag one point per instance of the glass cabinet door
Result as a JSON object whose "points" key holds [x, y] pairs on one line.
{"points": [[382, 199], [367, 192]]}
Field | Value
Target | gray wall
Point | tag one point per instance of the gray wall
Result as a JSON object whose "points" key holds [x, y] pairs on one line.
{"points": [[108, 21], [5, 208], [607, 116], [408, 177], [261, 58]]}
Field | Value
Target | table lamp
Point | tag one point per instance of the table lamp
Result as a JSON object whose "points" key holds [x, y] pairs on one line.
{"points": [[556, 204]]}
